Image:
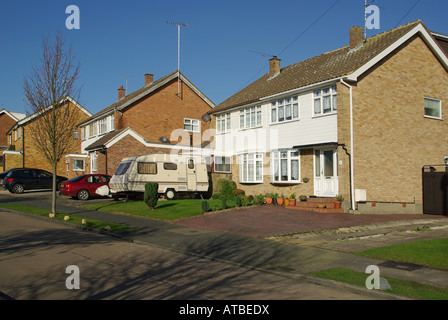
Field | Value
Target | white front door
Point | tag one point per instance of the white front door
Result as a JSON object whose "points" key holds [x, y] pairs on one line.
{"points": [[325, 173]]}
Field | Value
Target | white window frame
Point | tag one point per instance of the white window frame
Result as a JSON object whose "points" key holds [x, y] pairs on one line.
{"points": [[440, 108], [83, 133], [112, 122], [248, 160], [280, 108], [223, 123], [93, 162], [93, 129], [191, 122], [282, 158], [319, 97], [102, 126], [218, 160], [78, 169], [251, 117]]}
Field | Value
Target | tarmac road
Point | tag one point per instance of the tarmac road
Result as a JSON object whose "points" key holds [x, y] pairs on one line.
{"points": [[35, 252]]}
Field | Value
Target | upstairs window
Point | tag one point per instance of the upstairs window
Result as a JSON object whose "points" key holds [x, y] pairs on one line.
{"points": [[433, 108], [102, 126], [223, 123], [325, 101], [250, 117], [191, 125], [285, 110]]}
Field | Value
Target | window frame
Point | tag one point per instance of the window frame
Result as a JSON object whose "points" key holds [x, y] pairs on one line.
{"points": [[192, 125], [145, 163], [320, 95], [440, 108], [244, 168], [290, 104], [251, 117], [223, 120], [77, 169], [225, 163], [276, 163]]}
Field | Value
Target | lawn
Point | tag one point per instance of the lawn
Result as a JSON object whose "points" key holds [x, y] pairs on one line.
{"points": [[402, 287], [165, 210], [429, 253], [94, 224]]}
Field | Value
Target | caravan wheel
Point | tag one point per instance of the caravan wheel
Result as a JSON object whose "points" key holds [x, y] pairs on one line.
{"points": [[170, 194]]}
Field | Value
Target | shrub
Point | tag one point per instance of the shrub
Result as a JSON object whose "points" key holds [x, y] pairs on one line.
{"points": [[225, 187], [215, 196], [251, 198], [151, 195], [259, 199], [205, 206], [238, 192], [237, 201], [224, 203], [243, 200]]}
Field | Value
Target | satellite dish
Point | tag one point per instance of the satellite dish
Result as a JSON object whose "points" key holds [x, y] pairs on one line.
{"points": [[163, 139], [206, 117]]}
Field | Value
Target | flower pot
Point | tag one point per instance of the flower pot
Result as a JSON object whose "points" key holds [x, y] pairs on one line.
{"points": [[321, 206], [286, 202], [337, 205], [280, 201], [268, 200], [292, 202]]}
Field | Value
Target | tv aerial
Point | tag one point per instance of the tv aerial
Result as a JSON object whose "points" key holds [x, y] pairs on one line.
{"points": [[263, 55]]}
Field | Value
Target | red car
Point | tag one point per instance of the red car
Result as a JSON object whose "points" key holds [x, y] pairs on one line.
{"points": [[84, 187]]}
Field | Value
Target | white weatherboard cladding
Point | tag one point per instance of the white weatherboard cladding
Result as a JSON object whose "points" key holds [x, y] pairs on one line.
{"points": [[307, 130]]}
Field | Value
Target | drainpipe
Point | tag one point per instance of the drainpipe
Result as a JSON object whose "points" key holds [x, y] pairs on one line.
{"points": [[352, 174]]}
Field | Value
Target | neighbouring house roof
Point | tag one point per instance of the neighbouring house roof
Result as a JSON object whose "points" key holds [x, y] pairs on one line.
{"points": [[442, 40], [142, 92], [25, 120], [13, 115], [111, 138], [340, 63]]}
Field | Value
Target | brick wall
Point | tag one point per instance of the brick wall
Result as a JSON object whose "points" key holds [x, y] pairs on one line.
{"points": [[162, 112], [393, 139], [6, 122]]}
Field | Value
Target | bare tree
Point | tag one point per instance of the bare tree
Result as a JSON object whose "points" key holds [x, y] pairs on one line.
{"points": [[48, 89]]}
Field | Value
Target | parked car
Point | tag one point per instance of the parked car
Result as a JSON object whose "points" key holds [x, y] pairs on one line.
{"points": [[3, 175], [84, 187], [20, 179]]}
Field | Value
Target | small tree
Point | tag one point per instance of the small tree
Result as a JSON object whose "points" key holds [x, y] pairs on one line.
{"points": [[151, 195], [47, 90]]}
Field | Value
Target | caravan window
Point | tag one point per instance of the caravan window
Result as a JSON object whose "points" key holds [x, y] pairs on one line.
{"points": [[122, 168], [190, 164], [147, 168], [170, 166]]}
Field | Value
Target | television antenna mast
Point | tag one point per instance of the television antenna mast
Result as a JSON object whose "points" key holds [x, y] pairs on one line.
{"points": [[127, 77], [178, 51], [366, 5], [263, 55]]}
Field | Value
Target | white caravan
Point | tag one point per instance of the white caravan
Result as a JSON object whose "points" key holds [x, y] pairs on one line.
{"points": [[174, 174]]}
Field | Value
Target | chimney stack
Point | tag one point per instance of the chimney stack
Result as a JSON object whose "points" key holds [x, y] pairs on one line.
{"points": [[274, 66], [356, 36], [121, 93], [149, 78]]}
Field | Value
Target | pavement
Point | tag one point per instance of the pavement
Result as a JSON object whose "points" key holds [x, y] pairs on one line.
{"points": [[284, 242]]}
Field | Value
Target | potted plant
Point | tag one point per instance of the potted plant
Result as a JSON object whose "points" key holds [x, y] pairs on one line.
{"points": [[302, 198], [321, 205], [292, 200], [280, 200], [274, 198], [268, 198], [338, 202]]}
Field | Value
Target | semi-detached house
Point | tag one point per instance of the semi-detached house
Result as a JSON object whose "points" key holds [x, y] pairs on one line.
{"points": [[360, 121]]}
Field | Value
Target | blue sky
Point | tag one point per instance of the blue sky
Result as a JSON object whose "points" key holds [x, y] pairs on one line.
{"points": [[119, 39]]}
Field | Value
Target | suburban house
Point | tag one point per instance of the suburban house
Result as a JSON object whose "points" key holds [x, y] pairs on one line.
{"points": [[163, 116], [7, 120], [360, 121], [23, 151]]}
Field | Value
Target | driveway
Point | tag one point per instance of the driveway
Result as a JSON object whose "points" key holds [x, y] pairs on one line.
{"points": [[267, 220]]}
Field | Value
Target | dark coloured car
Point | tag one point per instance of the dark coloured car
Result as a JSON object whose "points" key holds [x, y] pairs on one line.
{"points": [[3, 175], [19, 180], [84, 187]]}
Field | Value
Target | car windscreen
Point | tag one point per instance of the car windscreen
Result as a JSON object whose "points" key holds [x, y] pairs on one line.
{"points": [[122, 168], [76, 179]]}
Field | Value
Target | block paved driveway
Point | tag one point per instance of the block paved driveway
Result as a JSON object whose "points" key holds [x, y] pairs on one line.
{"points": [[268, 220]]}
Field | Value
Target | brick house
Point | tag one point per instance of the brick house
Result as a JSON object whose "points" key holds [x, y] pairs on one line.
{"points": [[163, 116], [26, 153], [7, 120], [360, 121]]}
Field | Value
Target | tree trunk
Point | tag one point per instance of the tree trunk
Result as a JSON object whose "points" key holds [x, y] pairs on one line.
{"points": [[53, 199]]}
